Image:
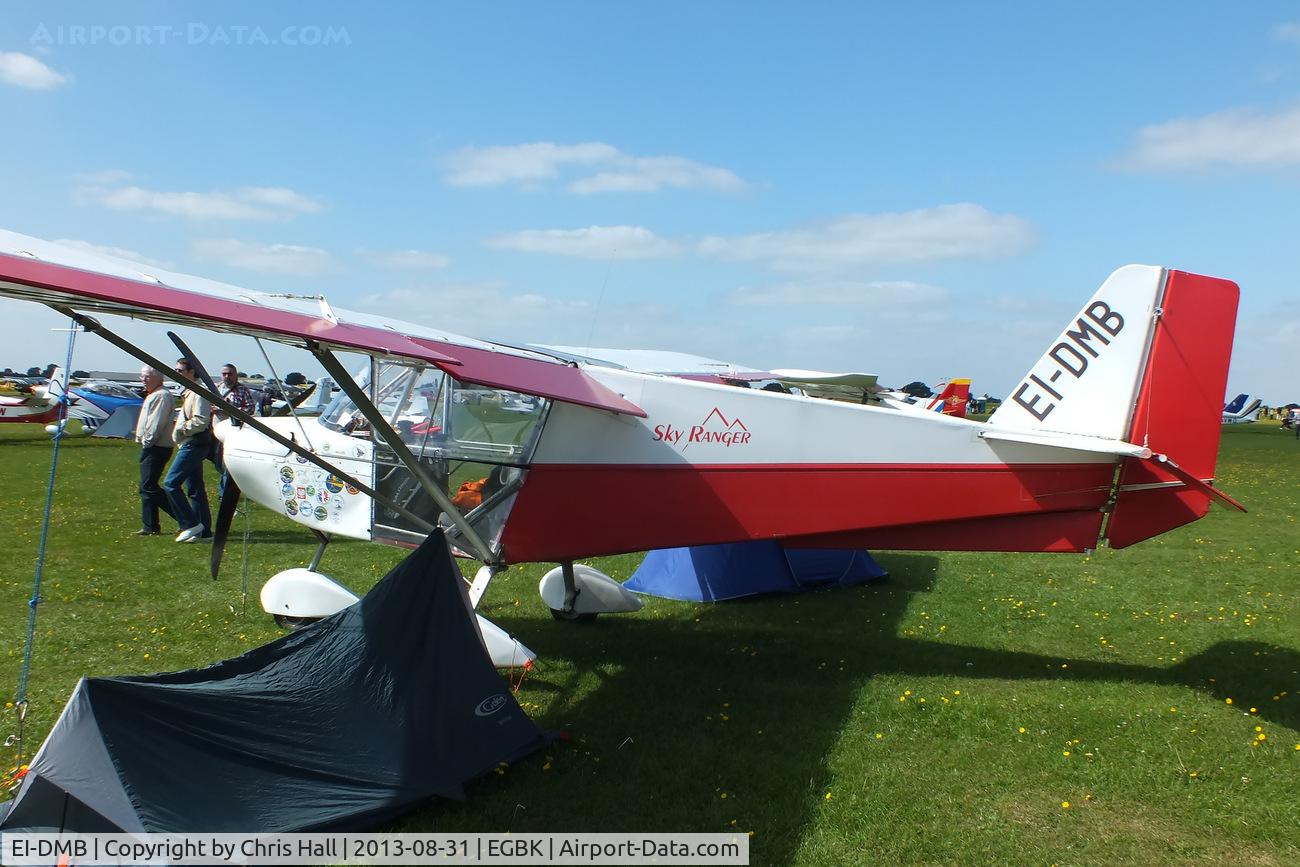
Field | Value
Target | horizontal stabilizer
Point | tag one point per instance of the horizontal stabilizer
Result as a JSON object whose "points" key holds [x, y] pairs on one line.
{"points": [[1070, 441]]}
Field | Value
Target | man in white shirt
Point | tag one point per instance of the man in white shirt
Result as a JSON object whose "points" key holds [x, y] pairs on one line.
{"points": [[184, 482], [153, 431]]}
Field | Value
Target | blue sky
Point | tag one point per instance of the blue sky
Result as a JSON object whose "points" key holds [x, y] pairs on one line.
{"points": [[914, 190]]}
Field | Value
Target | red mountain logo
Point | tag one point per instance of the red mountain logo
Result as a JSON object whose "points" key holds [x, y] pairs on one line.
{"points": [[716, 429]]}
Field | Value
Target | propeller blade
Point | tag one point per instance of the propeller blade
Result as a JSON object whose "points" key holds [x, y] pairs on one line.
{"points": [[188, 355], [225, 516]]}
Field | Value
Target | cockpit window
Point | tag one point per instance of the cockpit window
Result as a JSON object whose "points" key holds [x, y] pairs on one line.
{"points": [[475, 442], [437, 416]]}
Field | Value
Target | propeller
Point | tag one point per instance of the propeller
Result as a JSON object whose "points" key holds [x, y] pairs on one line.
{"points": [[225, 517], [188, 355]]}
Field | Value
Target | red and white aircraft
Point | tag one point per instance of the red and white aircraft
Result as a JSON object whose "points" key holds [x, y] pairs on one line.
{"points": [[533, 454], [27, 409]]}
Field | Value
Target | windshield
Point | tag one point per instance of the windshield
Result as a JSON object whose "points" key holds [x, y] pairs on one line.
{"points": [[436, 415], [473, 442]]}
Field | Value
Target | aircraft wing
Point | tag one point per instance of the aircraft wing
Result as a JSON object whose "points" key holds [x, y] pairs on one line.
{"points": [[864, 381], [36, 270]]}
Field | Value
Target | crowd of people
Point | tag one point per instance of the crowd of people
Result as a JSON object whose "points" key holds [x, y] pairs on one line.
{"points": [[160, 428]]}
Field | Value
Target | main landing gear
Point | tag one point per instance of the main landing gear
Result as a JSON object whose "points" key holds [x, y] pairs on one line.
{"points": [[576, 593]]}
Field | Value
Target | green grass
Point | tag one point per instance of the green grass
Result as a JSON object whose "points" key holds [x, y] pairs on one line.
{"points": [[797, 718]]}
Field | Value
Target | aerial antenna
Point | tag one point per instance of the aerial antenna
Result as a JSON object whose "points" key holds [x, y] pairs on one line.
{"points": [[595, 314]]}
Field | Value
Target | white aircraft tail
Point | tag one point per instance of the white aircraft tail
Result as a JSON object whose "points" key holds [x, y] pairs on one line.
{"points": [[1140, 374], [1087, 381], [54, 388]]}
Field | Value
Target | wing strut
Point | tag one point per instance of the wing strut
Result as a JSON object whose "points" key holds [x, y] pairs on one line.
{"points": [[380, 426], [94, 327]]}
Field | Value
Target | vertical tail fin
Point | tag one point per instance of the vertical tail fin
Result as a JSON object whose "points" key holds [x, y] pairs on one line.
{"points": [[1087, 381], [1145, 361], [54, 388], [952, 399]]}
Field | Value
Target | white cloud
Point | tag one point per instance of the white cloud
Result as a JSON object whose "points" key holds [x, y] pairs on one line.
{"points": [[647, 174], [873, 295], [23, 70], [614, 171], [284, 259], [407, 260], [503, 164], [480, 309], [946, 232], [113, 252], [246, 203], [1247, 139], [593, 242], [1287, 32], [280, 198]]}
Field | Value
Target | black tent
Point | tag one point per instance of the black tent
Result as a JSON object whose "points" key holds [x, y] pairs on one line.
{"points": [[339, 726]]}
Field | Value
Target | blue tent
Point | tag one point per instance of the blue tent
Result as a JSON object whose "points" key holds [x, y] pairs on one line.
{"points": [[712, 573]]}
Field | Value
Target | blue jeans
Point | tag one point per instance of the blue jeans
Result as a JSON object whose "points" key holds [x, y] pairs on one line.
{"points": [[189, 506]]}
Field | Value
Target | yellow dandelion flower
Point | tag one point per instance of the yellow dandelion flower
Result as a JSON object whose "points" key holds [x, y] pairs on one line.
{"points": [[723, 796], [922, 701], [1022, 730], [1259, 728], [1065, 752], [880, 735], [956, 692], [1253, 710], [1261, 737], [828, 796], [1193, 775], [1227, 701], [907, 692], [1065, 805]]}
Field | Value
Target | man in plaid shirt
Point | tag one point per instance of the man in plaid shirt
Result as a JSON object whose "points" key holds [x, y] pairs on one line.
{"points": [[237, 394], [240, 397]]}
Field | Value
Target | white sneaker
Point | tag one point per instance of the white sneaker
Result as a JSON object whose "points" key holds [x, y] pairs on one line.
{"points": [[190, 534]]}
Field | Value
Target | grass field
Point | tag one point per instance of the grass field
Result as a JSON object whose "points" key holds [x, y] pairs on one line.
{"points": [[1136, 706]]}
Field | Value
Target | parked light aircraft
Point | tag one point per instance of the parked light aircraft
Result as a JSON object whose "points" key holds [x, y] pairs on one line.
{"points": [[27, 409], [540, 455], [103, 407], [950, 398], [1242, 409]]}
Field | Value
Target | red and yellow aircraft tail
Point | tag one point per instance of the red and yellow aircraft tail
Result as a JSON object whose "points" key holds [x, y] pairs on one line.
{"points": [[952, 399]]}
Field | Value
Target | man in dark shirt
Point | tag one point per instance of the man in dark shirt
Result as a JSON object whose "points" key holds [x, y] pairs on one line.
{"points": [[240, 397]]}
